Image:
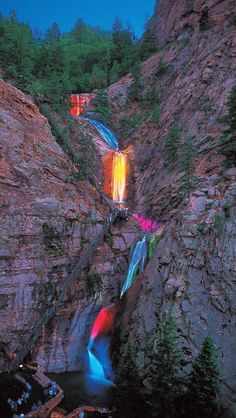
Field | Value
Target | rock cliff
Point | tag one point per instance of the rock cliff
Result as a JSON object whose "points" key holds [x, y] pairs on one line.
{"points": [[193, 268], [47, 216]]}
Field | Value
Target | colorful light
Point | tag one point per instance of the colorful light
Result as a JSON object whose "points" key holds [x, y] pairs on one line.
{"points": [[147, 224], [78, 103], [104, 321], [119, 175]]}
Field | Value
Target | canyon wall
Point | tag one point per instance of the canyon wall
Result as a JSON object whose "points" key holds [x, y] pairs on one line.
{"points": [[47, 216], [193, 268]]}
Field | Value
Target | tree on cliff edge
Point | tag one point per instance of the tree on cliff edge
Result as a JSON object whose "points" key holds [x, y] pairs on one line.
{"points": [[204, 383], [187, 181], [165, 373], [172, 144], [127, 401], [228, 140]]}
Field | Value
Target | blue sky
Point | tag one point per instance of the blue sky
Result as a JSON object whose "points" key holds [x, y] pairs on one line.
{"points": [[42, 13]]}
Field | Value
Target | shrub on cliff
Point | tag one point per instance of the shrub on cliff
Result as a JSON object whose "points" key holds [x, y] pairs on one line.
{"points": [[228, 140], [101, 104], [127, 401], [135, 89], [172, 144], [148, 44], [186, 159]]}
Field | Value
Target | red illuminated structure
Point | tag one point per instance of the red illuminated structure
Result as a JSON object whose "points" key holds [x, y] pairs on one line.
{"points": [[79, 102]]}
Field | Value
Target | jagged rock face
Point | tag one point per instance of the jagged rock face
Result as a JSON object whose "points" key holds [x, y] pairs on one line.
{"points": [[193, 268], [174, 18], [193, 89], [63, 343], [45, 218]]}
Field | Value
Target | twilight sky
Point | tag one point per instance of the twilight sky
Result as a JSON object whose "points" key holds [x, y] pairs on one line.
{"points": [[42, 13]]}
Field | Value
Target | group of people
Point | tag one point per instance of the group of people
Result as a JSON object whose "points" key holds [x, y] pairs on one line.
{"points": [[48, 392], [15, 405], [36, 406], [51, 391]]}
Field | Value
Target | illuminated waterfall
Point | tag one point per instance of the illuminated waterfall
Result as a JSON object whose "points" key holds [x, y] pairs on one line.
{"points": [[138, 260], [98, 346], [119, 173]]}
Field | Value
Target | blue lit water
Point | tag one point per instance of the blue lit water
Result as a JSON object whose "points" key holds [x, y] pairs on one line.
{"points": [[138, 260], [106, 133]]}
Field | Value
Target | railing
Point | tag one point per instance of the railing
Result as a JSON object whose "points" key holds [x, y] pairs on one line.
{"points": [[83, 261]]}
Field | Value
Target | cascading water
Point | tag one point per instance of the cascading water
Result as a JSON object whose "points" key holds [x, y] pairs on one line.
{"points": [[138, 259], [98, 346], [119, 173], [108, 136]]}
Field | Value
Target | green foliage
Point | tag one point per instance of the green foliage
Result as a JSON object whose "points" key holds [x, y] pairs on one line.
{"points": [[148, 44], [151, 98], [228, 140], [233, 19], [187, 181], [172, 144], [127, 402], [135, 89], [201, 227], [156, 114], [165, 373], [204, 382], [153, 244], [162, 67], [218, 223], [204, 19], [94, 280], [101, 104], [81, 60], [125, 51]]}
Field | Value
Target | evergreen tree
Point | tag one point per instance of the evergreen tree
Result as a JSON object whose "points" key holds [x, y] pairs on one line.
{"points": [[98, 79], [172, 144], [204, 18], [127, 401], [125, 50], [148, 43], [187, 181], [53, 33], [165, 370], [228, 140], [101, 104], [135, 89], [204, 383]]}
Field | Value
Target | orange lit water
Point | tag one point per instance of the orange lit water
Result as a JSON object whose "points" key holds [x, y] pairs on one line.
{"points": [[119, 175]]}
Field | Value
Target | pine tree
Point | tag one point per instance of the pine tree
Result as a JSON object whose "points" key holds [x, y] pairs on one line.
{"points": [[101, 104], [53, 33], [172, 144], [135, 89], [228, 140], [165, 370], [204, 382], [187, 181], [127, 401], [148, 43]]}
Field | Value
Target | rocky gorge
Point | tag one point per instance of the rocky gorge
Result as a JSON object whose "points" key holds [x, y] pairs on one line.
{"points": [[48, 215]]}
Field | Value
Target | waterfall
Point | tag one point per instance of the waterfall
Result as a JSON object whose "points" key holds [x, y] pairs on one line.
{"points": [[106, 133], [119, 172], [137, 261], [98, 346], [96, 368]]}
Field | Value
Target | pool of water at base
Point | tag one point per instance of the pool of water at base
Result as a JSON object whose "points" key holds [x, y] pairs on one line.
{"points": [[80, 390]]}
